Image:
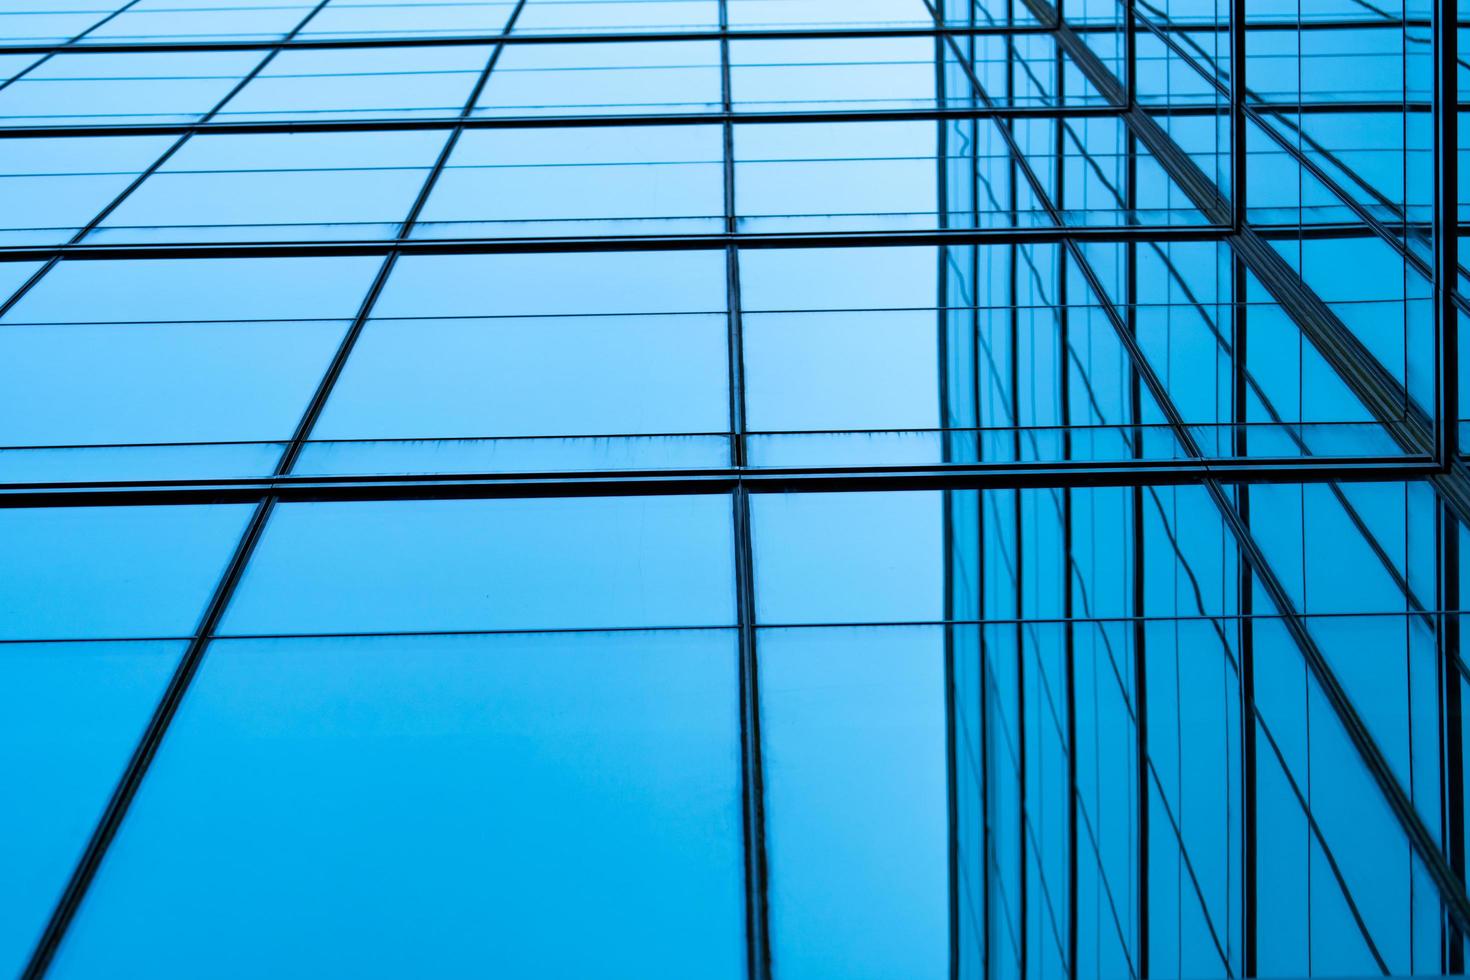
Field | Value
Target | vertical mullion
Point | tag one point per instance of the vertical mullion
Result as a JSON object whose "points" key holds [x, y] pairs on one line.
{"points": [[735, 337], [1245, 584], [1245, 600], [1139, 610], [1452, 739], [1238, 136], [757, 911], [1446, 228], [1069, 635], [948, 503], [758, 950]]}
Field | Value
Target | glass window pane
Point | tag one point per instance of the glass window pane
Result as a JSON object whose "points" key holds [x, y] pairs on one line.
{"points": [[583, 563], [630, 16], [593, 79], [532, 789], [278, 187], [857, 815], [103, 354], [408, 18], [482, 391], [123, 89], [112, 572], [575, 182], [50, 189], [70, 716], [360, 83], [848, 557]]}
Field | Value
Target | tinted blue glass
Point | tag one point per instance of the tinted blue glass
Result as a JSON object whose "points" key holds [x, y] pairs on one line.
{"points": [[592, 79], [70, 715], [410, 18], [105, 353], [272, 187], [123, 88], [848, 557], [659, 243], [853, 746], [570, 182], [112, 572], [526, 788], [617, 16], [360, 83], [489, 564], [453, 389], [52, 188]]}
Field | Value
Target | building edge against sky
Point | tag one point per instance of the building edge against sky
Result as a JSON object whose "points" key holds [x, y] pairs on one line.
{"points": [[732, 488]]}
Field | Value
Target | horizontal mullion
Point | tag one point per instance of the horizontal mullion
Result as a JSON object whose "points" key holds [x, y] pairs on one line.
{"points": [[976, 476], [561, 122], [738, 34], [465, 40], [481, 246]]}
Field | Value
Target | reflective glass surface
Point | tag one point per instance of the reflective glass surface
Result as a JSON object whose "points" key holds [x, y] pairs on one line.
{"points": [[733, 488]]}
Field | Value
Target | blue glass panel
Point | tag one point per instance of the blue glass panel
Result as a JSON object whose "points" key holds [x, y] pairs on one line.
{"points": [[359, 83], [274, 187], [70, 716], [617, 16], [489, 564], [123, 89], [407, 18], [555, 283], [103, 354], [112, 572], [51, 188], [165, 20], [848, 557], [575, 182], [593, 79], [853, 746], [448, 806]]}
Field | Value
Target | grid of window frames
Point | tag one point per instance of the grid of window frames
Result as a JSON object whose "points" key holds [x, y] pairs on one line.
{"points": [[732, 488]]}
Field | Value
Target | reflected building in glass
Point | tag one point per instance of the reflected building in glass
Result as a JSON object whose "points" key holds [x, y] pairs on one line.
{"points": [[731, 488]]}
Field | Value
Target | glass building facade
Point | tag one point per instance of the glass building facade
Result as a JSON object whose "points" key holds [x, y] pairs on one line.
{"points": [[732, 488]]}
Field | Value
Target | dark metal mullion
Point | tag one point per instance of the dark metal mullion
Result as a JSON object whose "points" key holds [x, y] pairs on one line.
{"points": [[948, 503], [1452, 745], [1241, 381], [757, 934], [147, 748], [1069, 635], [985, 476], [461, 40], [1033, 235], [286, 124], [1238, 139], [757, 906], [1446, 230]]}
